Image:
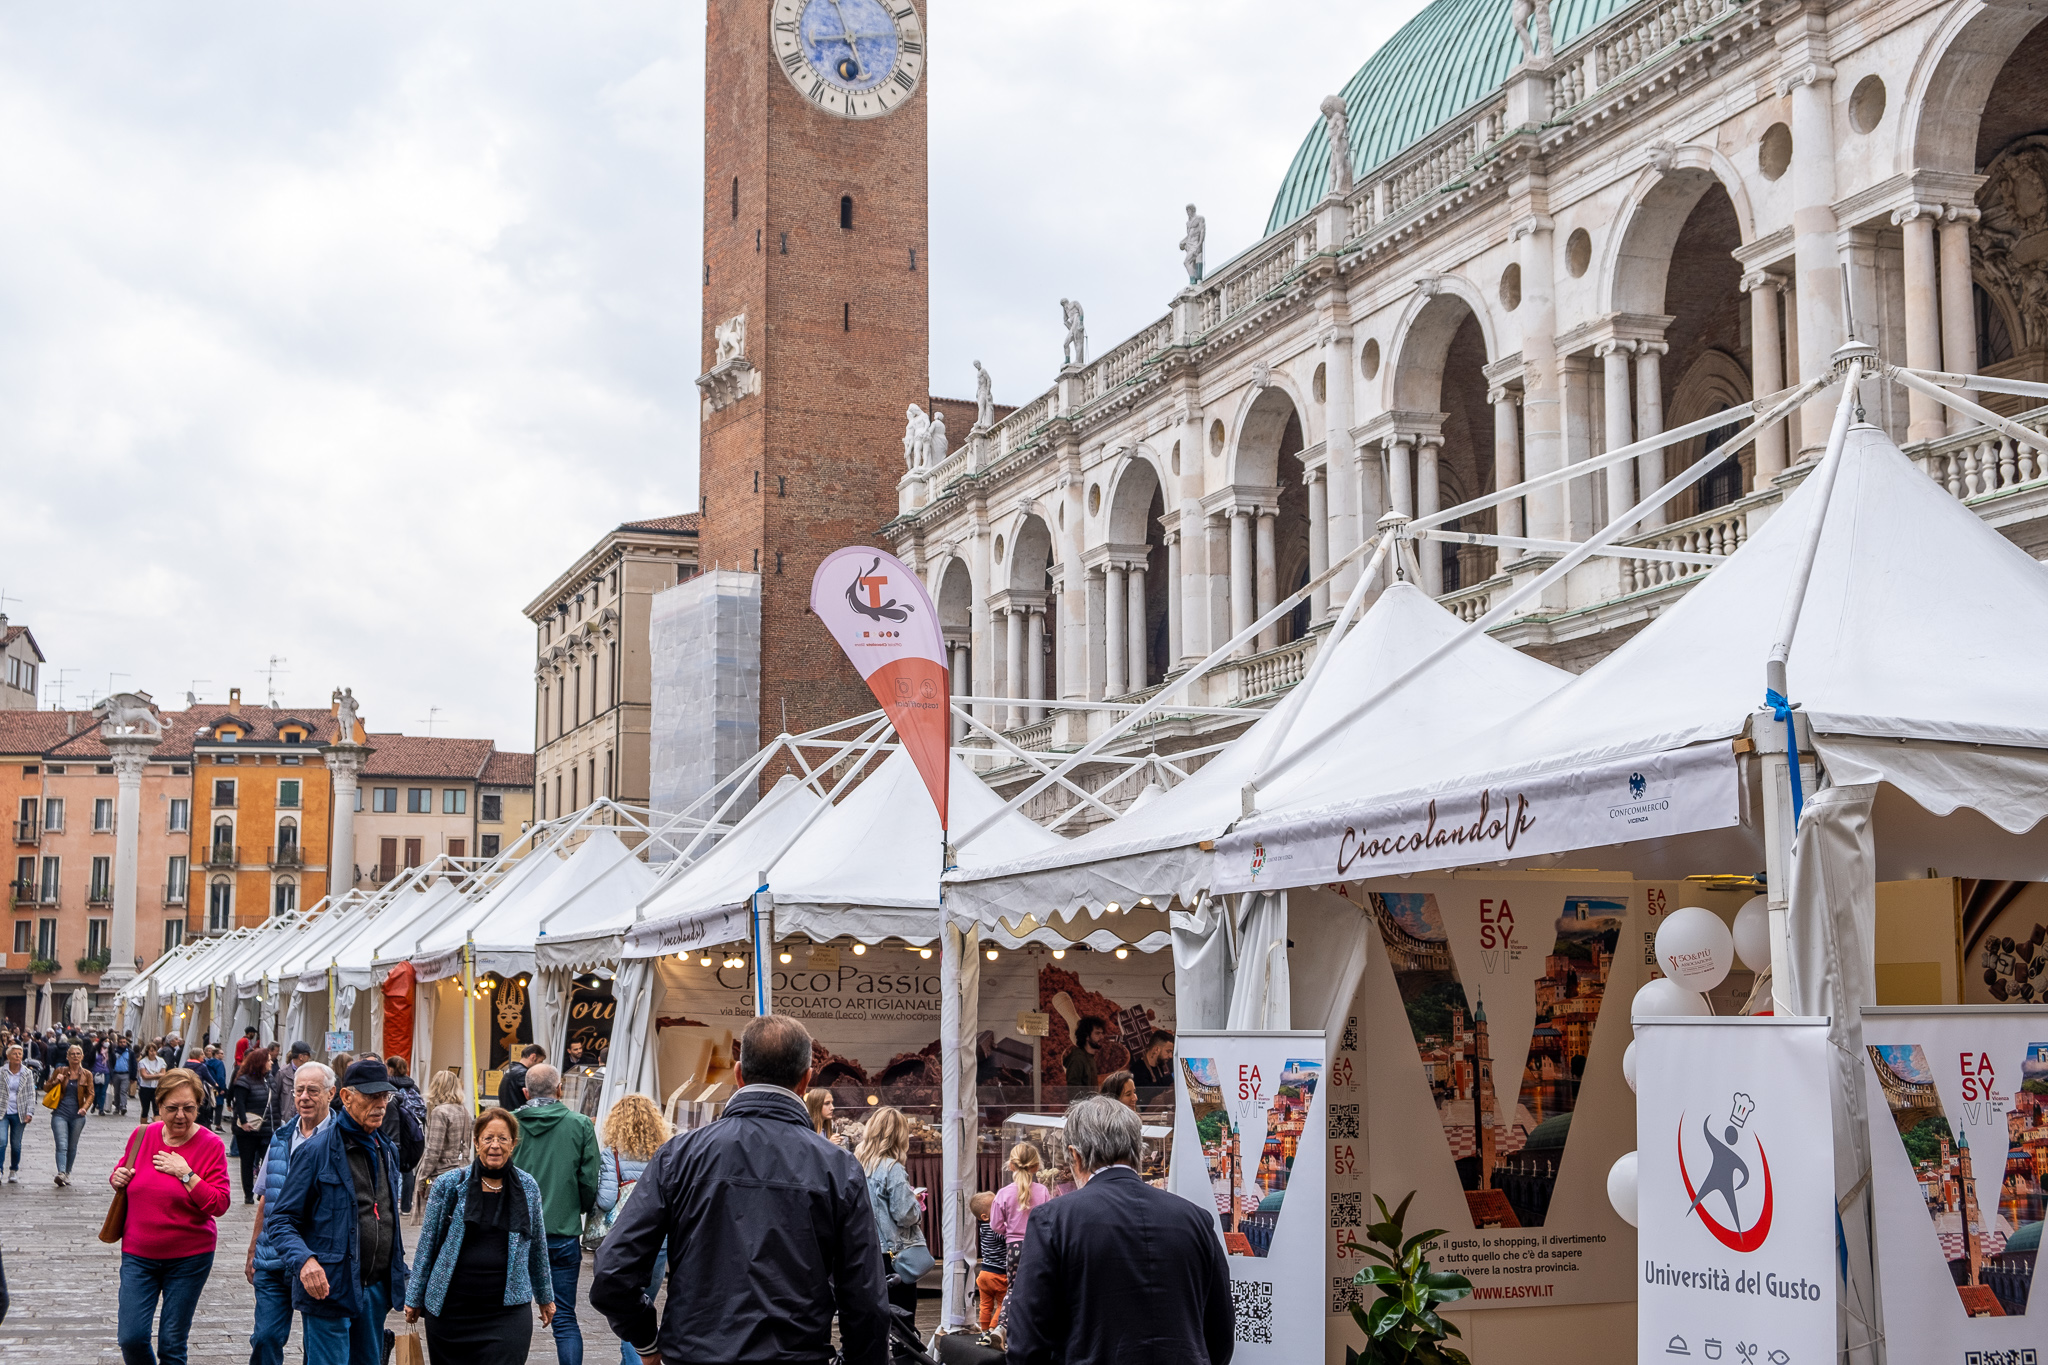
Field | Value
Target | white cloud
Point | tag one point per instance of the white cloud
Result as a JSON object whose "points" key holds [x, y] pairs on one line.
{"points": [[335, 332]]}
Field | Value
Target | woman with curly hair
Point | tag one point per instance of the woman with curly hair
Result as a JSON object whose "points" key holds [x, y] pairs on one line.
{"points": [[633, 1132]]}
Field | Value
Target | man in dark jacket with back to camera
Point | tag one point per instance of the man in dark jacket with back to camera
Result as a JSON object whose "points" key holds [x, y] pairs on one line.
{"points": [[769, 1232], [1118, 1273]]}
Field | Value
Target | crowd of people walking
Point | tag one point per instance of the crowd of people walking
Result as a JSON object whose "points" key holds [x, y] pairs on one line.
{"points": [[772, 1235]]}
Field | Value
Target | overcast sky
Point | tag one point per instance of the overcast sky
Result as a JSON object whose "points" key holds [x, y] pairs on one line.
{"points": [[335, 332]]}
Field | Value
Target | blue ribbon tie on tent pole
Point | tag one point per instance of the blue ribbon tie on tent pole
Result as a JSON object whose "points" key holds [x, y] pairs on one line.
{"points": [[1781, 708]]}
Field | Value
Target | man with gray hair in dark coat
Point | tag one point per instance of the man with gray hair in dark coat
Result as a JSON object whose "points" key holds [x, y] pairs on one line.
{"points": [[1118, 1273], [769, 1231]]}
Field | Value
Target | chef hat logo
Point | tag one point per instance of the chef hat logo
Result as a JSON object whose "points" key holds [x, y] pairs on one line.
{"points": [[1740, 1108]]}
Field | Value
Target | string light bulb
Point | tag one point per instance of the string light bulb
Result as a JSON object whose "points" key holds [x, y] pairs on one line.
{"points": [[783, 957], [924, 952], [991, 955], [1123, 953], [704, 961], [860, 949], [1058, 953]]}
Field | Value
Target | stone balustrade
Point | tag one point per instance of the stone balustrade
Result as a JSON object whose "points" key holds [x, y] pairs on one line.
{"points": [[1982, 460], [1719, 532], [1264, 675], [1469, 604]]}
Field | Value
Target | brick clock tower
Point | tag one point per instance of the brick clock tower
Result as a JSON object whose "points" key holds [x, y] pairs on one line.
{"points": [[816, 311]]}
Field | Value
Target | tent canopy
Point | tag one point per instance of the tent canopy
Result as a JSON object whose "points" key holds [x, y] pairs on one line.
{"points": [[1149, 854], [599, 882], [697, 905], [1913, 659], [394, 912], [435, 947]]}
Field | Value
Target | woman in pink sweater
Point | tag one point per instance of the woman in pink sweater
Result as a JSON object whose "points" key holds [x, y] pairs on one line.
{"points": [[176, 1175]]}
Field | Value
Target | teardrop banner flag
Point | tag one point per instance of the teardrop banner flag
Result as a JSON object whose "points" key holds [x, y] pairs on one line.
{"points": [[880, 614]]}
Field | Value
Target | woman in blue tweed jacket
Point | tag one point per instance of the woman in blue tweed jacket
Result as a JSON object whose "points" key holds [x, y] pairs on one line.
{"points": [[483, 1255]]}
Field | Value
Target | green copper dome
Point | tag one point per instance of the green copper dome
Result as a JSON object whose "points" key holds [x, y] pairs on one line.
{"points": [[1441, 63]]}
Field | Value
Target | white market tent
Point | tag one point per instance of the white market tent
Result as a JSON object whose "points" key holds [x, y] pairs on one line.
{"points": [[1916, 638]]}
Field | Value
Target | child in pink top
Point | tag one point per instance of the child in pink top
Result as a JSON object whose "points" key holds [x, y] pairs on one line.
{"points": [[1015, 1200]]}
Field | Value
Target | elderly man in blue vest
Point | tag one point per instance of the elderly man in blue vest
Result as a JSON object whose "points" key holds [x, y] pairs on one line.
{"points": [[335, 1225], [313, 1097]]}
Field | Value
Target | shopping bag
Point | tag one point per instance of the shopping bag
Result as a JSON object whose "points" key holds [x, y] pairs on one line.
{"points": [[408, 1347]]}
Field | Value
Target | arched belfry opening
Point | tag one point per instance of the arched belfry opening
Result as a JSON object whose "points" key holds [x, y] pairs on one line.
{"points": [[955, 601], [1136, 586]]}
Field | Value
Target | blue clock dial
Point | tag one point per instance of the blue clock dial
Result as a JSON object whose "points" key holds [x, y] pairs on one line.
{"points": [[852, 59], [851, 43]]}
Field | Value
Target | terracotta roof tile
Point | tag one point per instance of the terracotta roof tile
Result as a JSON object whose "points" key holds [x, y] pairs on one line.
{"points": [[37, 732], [683, 523], [425, 756], [509, 770]]}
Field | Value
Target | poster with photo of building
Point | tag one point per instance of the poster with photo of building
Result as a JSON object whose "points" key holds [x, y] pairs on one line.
{"points": [[1958, 1112]]}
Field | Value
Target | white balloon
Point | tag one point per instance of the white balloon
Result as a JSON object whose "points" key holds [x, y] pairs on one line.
{"points": [[1753, 934], [1621, 1187], [1628, 1065], [1695, 948], [1663, 996]]}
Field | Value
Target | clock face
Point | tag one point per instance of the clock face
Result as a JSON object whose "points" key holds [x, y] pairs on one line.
{"points": [[851, 58]]}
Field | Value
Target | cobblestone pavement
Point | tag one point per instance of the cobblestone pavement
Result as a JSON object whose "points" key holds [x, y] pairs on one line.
{"points": [[63, 1280]]}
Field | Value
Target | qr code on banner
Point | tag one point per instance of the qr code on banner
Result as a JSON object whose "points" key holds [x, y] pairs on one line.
{"points": [[1253, 1300], [1349, 1042], [1343, 1121], [1347, 1208], [1344, 1295], [2025, 1355]]}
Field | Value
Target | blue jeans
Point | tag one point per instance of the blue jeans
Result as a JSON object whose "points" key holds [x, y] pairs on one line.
{"points": [[351, 1341], [99, 1094], [273, 1317], [565, 1264], [177, 1281], [627, 1355], [66, 1131], [11, 1138]]}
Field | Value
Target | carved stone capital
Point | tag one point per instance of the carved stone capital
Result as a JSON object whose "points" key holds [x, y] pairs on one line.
{"points": [[1908, 212], [1810, 73], [1764, 279], [1960, 213], [1614, 346]]}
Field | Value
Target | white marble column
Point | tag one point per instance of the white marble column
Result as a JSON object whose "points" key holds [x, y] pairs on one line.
{"points": [[1346, 524], [1268, 585], [1174, 588], [1013, 659], [1116, 633], [1542, 392], [1034, 663], [1958, 305], [1815, 246], [1429, 500], [1242, 613], [1767, 361], [130, 753], [1400, 485], [345, 760], [1137, 655], [957, 676], [1923, 314], [1620, 423], [1650, 422], [1318, 541], [1507, 463]]}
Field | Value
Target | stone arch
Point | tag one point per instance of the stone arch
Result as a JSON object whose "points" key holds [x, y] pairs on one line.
{"points": [[1421, 339], [1715, 382], [1030, 556], [953, 593], [1136, 485], [1638, 262], [1949, 86], [1261, 426]]}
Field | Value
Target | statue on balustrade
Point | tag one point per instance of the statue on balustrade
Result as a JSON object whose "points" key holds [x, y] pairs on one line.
{"points": [[1191, 245], [1531, 20], [916, 430], [1337, 125], [935, 450], [1074, 351], [984, 398]]}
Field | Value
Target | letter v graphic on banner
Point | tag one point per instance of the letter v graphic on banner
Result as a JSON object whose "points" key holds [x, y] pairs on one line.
{"points": [[880, 614]]}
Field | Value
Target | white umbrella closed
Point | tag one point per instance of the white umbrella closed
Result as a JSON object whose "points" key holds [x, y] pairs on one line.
{"points": [[78, 1008], [43, 1009]]}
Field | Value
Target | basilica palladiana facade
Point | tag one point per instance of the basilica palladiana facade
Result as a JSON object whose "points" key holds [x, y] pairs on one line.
{"points": [[1525, 235]]}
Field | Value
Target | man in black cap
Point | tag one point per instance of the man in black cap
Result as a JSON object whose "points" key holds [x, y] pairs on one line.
{"points": [[336, 1222]]}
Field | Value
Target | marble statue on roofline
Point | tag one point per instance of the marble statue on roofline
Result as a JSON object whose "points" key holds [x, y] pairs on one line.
{"points": [[1531, 21], [916, 430], [1337, 127], [935, 450], [1074, 350], [984, 398], [1191, 245]]}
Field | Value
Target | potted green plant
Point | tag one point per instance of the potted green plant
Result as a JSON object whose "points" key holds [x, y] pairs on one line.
{"points": [[41, 966], [90, 964], [1402, 1327]]}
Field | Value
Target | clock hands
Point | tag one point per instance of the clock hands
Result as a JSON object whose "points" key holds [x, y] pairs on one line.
{"points": [[849, 35]]}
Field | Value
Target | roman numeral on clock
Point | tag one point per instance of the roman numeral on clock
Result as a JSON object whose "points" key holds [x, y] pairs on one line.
{"points": [[792, 62], [906, 80], [907, 12], [816, 94]]}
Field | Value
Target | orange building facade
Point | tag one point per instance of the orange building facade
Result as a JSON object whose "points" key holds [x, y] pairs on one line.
{"points": [[262, 813]]}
